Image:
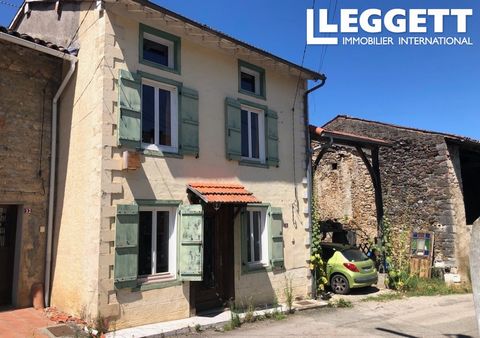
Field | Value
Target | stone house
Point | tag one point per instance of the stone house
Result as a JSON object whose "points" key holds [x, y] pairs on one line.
{"points": [[31, 72], [176, 191], [429, 181]]}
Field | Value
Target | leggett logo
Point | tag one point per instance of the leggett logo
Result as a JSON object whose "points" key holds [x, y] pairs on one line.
{"points": [[397, 21]]}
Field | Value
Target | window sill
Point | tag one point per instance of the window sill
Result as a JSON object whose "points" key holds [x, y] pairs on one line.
{"points": [[159, 66], [246, 92], [255, 268], [156, 282], [251, 163], [159, 153]]}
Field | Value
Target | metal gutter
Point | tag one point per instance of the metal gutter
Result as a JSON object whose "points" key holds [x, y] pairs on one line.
{"points": [[308, 151], [51, 196]]}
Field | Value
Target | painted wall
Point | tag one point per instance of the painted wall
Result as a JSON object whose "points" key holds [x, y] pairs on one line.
{"points": [[214, 73], [28, 82], [77, 212]]}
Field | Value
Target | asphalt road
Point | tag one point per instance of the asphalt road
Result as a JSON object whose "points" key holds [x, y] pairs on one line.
{"points": [[438, 316]]}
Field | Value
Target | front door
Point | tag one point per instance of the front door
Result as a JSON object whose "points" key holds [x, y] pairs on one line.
{"points": [[216, 288], [8, 225]]}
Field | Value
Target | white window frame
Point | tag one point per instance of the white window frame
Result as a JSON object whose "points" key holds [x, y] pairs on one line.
{"points": [[173, 119], [263, 238], [172, 245], [256, 75], [261, 134], [164, 42]]}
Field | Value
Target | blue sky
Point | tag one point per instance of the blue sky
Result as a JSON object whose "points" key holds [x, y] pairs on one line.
{"points": [[428, 87]]}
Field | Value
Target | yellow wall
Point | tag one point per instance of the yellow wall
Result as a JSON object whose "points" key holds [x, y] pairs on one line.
{"points": [[77, 212], [214, 74]]}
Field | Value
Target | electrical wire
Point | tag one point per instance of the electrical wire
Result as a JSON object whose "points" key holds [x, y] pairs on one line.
{"points": [[80, 25]]}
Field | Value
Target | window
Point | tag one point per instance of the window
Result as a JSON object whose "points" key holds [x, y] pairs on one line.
{"points": [[157, 242], [257, 241], [159, 116], [253, 134], [421, 244], [159, 49], [252, 80]]}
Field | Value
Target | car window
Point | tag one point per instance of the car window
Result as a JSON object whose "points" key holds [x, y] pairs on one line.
{"points": [[327, 253], [354, 255]]}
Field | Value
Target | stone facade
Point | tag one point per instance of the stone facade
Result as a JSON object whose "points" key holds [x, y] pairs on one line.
{"points": [[28, 83], [345, 192], [421, 183]]}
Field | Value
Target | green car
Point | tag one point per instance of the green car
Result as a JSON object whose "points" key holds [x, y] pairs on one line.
{"points": [[347, 267]]}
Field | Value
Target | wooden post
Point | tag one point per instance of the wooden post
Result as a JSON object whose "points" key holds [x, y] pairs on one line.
{"points": [[475, 267]]}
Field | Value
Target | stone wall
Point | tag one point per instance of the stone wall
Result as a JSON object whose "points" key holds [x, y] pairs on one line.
{"points": [[421, 184], [28, 82], [345, 192]]}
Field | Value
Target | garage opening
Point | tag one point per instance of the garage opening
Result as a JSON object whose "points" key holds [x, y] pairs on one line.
{"points": [[8, 229], [470, 168]]}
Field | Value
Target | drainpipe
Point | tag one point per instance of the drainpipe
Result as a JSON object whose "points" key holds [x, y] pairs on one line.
{"points": [[51, 197], [308, 160]]}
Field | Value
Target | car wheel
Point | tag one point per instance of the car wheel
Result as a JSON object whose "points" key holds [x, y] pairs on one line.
{"points": [[340, 284]]}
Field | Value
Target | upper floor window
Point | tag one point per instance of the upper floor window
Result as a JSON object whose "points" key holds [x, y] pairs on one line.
{"points": [[251, 79], [159, 49], [159, 116], [253, 134]]}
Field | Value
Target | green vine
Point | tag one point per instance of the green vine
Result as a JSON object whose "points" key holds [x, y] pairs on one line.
{"points": [[317, 265]]}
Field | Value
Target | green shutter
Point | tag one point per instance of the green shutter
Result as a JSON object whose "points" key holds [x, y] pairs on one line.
{"points": [[276, 238], [191, 243], [189, 121], [126, 245], [272, 138], [130, 109], [233, 123]]}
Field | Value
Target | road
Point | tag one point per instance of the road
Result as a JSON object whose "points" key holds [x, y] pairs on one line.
{"points": [[437, 316]]}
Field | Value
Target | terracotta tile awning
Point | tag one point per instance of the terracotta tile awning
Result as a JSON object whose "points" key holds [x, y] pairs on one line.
{"points": [[222, 193]]}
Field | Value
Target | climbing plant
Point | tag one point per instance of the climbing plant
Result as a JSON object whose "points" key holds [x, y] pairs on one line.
{"points": [[317, 265]]}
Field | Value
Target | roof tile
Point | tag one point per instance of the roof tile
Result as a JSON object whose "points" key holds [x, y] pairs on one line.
{"points": [[222, 192]]}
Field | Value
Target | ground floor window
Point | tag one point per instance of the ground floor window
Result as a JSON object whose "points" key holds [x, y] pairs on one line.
{"points": [[257, 240], [157, 242]]}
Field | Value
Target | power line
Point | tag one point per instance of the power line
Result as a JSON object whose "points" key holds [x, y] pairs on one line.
{"points": [[80, 25], [323, 52]]}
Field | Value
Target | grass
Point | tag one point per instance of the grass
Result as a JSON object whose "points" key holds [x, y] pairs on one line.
{"points": [[340, 303], [435, 287], [385, 297]]}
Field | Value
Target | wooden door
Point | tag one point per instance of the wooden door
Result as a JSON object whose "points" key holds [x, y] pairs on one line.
{"points": [[8, 225], [216, 288]]}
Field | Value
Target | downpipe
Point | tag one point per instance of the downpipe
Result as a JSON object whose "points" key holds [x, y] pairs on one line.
{"points": [[308, 152], [51, 197]]}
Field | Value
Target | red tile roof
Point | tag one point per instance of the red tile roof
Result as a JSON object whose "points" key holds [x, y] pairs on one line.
{"points": [[222, 192], [317, 132]]}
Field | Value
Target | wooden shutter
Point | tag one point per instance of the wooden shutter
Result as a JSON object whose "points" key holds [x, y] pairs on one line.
{"points": [[130, 109], [189, 121], [191, 243], [244, 238], [272, 138], [126, 245], [276, 238], [233, 121]]}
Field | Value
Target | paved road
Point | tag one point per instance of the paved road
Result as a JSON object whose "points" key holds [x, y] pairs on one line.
{"points": [[446, 316]]}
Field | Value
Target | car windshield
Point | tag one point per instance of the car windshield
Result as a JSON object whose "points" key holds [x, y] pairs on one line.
{"points": [[354, 255]]}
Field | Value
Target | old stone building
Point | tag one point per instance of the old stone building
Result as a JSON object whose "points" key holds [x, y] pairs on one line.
{"points": [[429, 182], [30, 76]]}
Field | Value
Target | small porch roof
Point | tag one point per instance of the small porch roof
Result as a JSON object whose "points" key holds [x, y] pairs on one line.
{"points": [[230, 193]]}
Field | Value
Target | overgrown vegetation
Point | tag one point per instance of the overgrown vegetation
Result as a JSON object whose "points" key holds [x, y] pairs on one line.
{"points": [[288, 291], [385, 297], [317, 265], [433, 287], [340, 303]]}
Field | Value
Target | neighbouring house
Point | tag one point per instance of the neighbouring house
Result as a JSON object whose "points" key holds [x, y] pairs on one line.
{"points": [[31, 72], [429, 181], [181, 176]]}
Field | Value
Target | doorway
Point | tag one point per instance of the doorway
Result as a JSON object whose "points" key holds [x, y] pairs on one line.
{"points": [[8, 228], [217, 287]]}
